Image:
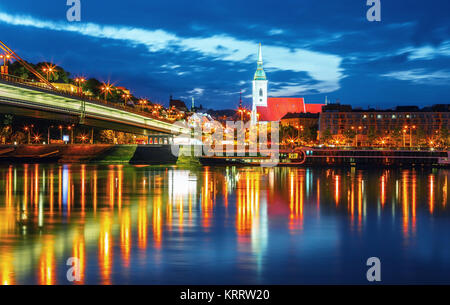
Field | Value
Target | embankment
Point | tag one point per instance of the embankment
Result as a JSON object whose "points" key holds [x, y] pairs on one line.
{"points": [[79, 153]]}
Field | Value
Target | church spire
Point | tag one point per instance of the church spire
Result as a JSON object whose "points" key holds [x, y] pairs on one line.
{"points": [[260, 61], [260, 74]]}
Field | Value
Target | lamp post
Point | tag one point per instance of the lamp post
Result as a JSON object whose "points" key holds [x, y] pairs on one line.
{"points": [[126, 96], [410, 134], [405, 130], [70, 127], [27, 129], [80, 81], [298, 132], [48, 134], [142, 102], [6, 59], [49, 69], [359, 128], [106, 89]]}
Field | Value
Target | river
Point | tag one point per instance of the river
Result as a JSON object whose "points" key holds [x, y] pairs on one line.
{"points": [[129, 224]]}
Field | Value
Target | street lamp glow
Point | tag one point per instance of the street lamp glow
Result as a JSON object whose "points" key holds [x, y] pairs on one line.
{"points": [[80, 81], [49, 70], [106, 89]]}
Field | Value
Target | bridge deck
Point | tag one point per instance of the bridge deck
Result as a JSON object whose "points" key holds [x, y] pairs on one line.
{"points": [[16, 92]]}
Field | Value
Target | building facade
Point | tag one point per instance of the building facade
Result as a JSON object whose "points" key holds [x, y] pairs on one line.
{"points": [[299, 120], [403, 126]]}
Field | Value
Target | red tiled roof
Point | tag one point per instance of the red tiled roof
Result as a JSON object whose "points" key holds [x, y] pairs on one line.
{"points": [[178, 104], [314, 108], [278, 107]]}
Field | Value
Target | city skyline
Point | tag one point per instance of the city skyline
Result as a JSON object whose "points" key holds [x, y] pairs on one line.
{"points": [[208, 50]]}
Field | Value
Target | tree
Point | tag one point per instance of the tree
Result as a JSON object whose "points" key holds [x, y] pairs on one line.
{"points": [[287, 132], [371, 135], [19, 137], [326, 136], [107, 136], [18, 70], [420, 138], [397, 135], [92, 86], [443, 137], [125, 138], [6, 128], [309, 134], [58, 74], [349, 135]]}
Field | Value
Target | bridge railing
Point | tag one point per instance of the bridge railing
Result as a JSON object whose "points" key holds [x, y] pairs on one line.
{"points": [[18, 80]]}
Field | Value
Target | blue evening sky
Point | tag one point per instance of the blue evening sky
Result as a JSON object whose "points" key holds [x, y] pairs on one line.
{"points": [[207, 48]]}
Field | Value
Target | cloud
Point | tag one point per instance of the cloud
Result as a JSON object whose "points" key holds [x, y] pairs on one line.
{"points": [[421, 76], [273, 32], [321, 67], [197, 91], [427, 52]]}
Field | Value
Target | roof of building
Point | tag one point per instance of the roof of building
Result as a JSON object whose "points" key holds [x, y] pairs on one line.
{"points": [[314, 108], [298, 115], [348, 108], [278, 107], [177, 104]]}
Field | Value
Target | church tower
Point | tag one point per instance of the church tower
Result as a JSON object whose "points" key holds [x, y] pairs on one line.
{"points": [[259, 91]]}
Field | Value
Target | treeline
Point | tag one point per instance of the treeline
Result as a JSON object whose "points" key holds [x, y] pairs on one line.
{"points": [[90, 86]]}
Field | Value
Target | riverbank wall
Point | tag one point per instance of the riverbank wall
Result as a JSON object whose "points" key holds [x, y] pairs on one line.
{"points": [[80, 153]]}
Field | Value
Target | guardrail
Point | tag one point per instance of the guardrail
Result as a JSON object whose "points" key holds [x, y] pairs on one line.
{"points": [[80, 96], [363, 148]]}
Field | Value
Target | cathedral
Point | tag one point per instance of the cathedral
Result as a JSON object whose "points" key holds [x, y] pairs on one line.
{"points": [[268, 109]]}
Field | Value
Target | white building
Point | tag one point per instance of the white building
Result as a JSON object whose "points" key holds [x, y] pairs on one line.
{"points": [[259, 91]]}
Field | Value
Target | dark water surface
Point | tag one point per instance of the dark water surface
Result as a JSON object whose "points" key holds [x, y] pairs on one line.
{"points": [[224, 225]]}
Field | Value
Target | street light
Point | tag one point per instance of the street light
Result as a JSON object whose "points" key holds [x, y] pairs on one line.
{"points": [[142, 102], [36, 138], [241, 113], [48, 133], [28, 129], [126, 96], [70, 127], [410, 134], [49, 70], [6, 58], [106, 89], [83, 138], [80, 81]]}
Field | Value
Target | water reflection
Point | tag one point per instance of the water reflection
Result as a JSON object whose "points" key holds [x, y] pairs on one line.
{"points": [[114, 217]]}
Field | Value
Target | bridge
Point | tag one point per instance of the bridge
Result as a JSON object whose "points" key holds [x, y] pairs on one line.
{"points": [[36, 100], [43, 100]]}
